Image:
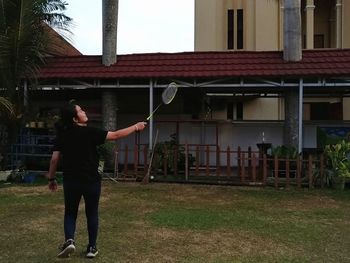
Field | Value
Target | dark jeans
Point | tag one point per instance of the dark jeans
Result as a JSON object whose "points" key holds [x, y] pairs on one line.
{"points": [[73, 191]]}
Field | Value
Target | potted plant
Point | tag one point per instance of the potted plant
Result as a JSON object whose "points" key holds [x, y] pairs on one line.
{"points": [[165, 151], [106, 154], [284, 152], [338, 162]]}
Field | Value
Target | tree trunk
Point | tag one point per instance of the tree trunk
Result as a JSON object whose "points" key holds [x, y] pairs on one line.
{"points": [[292, 30], [110, 24], [291, 122], [292, 52], [109, 57], [109, 110]]}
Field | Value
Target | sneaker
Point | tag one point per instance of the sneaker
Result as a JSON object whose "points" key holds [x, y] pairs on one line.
{"points": [[67, 248], [91, 251]]}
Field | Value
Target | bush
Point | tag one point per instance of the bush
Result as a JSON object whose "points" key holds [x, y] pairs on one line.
{"points": [[106, 153], [165, 152], [285, 152], [338, 159]]}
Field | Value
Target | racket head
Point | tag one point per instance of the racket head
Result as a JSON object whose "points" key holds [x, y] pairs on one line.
{"points": [[169, 93]]}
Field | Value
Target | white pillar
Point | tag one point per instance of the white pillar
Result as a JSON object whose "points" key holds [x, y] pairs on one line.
{"points": [[309, 9], [339, 28], [25, 94], [300, 135], [150, 112]]}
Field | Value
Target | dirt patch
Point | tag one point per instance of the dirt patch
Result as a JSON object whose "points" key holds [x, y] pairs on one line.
{"points": [[27, 190], [41, 224], [310, 202], [169, 246]]}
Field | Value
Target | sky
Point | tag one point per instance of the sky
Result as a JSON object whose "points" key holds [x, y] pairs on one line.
{"points": [[144, 26]]}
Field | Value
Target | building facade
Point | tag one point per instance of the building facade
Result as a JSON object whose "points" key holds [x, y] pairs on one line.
{"points": [[257, 25]]}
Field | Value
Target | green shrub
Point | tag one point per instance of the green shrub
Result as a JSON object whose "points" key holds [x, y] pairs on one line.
{"points": [[338, 159], [165, 152], [286, 152]]}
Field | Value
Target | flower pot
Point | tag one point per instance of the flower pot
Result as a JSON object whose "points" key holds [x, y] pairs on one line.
{"points": [[338, 183], [40, 124], [29, 178]]}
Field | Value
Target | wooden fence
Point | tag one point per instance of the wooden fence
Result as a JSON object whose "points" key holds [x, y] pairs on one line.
{"points": [[210, 163]]}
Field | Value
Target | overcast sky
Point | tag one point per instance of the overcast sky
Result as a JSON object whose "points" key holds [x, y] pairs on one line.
{"points": [[143, 26]]}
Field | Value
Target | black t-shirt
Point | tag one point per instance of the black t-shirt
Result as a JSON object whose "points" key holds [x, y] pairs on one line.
{"points": [[79, 154]]}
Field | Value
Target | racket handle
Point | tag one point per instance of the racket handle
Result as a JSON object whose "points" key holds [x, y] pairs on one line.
{"points": [[150, 116]]}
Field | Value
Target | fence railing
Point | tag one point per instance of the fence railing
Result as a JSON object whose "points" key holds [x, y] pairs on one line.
{"points": [[190, 162]]}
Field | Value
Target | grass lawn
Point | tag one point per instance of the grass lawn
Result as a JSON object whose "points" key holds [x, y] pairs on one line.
{"points": [[182, 223]]}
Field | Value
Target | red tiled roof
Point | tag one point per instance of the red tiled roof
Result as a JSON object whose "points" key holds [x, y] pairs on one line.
{"points": [[328, 62]]}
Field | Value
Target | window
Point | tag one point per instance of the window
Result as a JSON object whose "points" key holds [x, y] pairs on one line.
{"points": [[240, 29], [239, 111], [326, 111], [318, 41], [230, 28], [235, 111], [230, 111]]}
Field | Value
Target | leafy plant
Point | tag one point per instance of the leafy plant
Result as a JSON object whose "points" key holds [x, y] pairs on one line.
{"points": [[105, 151], [26, 41], [6, 107], [167, 151], [338, 159], [283, 151], [106, 156]]}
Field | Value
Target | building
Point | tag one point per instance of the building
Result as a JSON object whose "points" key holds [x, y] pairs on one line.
{"points": [[257, 25], [226, 97], [231, 92]]}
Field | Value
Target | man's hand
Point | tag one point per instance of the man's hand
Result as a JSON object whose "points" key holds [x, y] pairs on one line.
{"points": [[52, 182], [140, 126], [53, 185]]}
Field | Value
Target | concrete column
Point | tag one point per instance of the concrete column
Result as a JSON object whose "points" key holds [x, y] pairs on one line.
{"points": [[309, 9], [339, 28]]}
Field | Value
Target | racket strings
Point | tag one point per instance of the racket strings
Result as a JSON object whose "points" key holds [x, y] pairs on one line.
{"points": [[169, 93], [167, 96]]}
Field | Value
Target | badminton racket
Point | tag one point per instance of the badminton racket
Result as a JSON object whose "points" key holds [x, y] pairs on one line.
{"points": [[167, 97]]}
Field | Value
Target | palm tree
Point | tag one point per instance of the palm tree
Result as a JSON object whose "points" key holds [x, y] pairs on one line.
{"points": [[292, 30], [25, 41], [292, 52], [109, 57]]}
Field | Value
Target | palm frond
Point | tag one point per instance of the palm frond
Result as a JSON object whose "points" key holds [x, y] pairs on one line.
{"points": [[6, 107], [24, 39]]}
